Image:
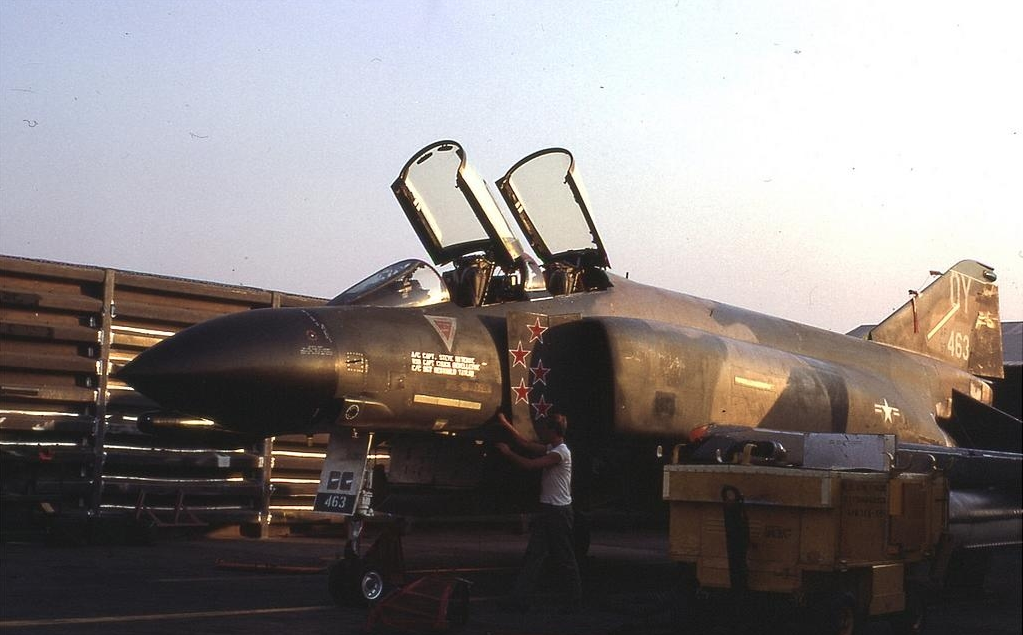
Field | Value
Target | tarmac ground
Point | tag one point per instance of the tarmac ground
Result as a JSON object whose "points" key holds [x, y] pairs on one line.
{"points": [[235, 585]]}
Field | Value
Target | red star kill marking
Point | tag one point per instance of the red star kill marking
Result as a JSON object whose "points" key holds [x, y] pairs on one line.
{"points": [[520, 355], [521, 392], [541, 407], [540, 373], [537, 330]]}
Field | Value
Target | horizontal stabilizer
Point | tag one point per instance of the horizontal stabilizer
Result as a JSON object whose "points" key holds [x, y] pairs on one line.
{"points": [[975, 424]]}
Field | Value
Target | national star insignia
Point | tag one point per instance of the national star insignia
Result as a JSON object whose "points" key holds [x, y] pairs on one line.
{"points": [[887, 411]]}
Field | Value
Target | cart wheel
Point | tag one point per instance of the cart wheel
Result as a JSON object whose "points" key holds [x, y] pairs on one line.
{"points": [[688, 611], [844, 621], [834, 615], [911, 620]]}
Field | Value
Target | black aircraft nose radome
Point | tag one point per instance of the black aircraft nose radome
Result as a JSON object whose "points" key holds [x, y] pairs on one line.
{"points": [[264, 371]]}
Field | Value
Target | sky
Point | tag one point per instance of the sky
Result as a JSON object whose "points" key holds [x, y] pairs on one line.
{"points": [[810, 160]]}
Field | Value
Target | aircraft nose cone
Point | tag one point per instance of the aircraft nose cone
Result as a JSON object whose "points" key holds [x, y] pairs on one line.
{"points": [[264, 371]]}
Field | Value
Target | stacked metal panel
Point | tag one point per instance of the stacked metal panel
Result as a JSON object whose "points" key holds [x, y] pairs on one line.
{"points": [[70, 443]]}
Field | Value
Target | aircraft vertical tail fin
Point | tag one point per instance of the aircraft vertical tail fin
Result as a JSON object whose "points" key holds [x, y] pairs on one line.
{"points": [[954, 319]]}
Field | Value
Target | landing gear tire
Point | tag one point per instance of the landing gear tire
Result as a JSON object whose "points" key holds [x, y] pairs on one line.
{"points": [[372, 585], [339, 583], [353, 582]]}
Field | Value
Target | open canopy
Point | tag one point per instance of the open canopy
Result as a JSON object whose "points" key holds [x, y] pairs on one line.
{"points": [[550, 206], [451, 208]]}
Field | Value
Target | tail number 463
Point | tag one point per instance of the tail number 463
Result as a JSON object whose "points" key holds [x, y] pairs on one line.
{"points": [[958, 345]]}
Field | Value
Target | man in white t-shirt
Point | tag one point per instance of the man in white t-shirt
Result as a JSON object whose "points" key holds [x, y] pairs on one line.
{"points": [[551, 533]]}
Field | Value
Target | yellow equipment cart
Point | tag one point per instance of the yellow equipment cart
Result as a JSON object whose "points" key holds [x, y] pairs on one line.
{"points": [[837, 544]]}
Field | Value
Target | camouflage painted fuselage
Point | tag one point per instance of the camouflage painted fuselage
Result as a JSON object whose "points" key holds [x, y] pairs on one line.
{"points": [[627, 360]]}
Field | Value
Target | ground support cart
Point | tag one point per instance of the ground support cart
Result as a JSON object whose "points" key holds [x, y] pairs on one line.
{"points": [[830, 547]]}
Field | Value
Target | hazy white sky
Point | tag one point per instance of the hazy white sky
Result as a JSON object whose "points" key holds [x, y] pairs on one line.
{"points": [[812, 160]]}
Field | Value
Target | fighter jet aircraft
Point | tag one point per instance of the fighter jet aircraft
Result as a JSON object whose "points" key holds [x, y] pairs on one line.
{"points": [[424, 361], [411, 350]]}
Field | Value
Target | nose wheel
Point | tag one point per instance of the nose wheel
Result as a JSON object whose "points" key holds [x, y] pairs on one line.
{"points": [[372, 586], [356, 580]]}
